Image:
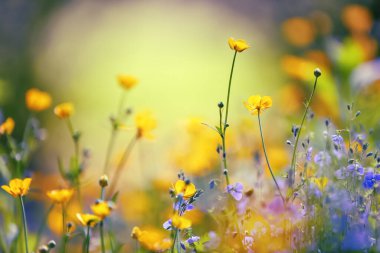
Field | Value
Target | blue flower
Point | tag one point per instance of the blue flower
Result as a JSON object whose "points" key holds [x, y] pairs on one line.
{"points": [[236, 191], [370, 179]]}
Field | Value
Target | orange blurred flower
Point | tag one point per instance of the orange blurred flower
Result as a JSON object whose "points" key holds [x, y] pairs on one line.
{"points": [[60, 196], [151, 239], [37, 100], [145, 123], [7, 126], [127, 81], [357, 18], [18, 187], [298, 31], [64, 110]]}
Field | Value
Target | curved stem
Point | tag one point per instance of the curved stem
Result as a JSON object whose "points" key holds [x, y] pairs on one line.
{"points": [[121, 164], [267, 160], [224, 128], [292, 173], [25, 225]]}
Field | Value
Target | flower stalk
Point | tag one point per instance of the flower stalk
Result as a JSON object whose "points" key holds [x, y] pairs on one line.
{"points": [[24, 224]]}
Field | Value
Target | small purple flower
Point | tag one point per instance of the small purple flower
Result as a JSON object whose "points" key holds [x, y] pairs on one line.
{"points": [[322, 159], [167, 225], [236, 191], [193, 239], [337, 139], [308, 154], [356, 168], [370, 179]]}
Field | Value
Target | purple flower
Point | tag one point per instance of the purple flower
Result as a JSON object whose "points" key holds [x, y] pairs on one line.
{"points": [[193, 239], [167, 225], [357, 168], [370, 179], [337, 139], [322, 159], [236, 191], [308, 154]]}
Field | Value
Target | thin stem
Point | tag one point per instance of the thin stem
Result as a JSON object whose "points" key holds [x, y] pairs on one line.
{"points": [[121, 164], [229, 91], [267, 160], [88, 240], [174, 240], [102, 237], [109, 149], [101, 228], [25, 225], [292, 173], [224, 128]]}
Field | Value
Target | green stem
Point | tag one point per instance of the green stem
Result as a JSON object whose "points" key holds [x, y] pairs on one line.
{"points": [[109, 149], [267, 160], [102, 237], [229, 91], [41, 227], [224, 128], [88, 240], [121, 164], [102, 225], [292, 173], [25, 225]]}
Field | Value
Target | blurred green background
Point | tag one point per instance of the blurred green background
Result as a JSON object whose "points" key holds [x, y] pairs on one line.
{"points": [[179, 52]]}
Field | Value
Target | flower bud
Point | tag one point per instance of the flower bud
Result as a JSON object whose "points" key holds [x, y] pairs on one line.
{"points": [[103, 181], [51, 244], [317, 72]]}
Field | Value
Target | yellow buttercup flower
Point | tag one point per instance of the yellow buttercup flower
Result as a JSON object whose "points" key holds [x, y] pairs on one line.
{"points": [[237, 45], [101, 209], [145, 123], [256, 104], [7, 126], [320, 182], [64, 110], [86, 219], [60, 196], [136, 232], [152, 239], [37, 100], [187, 190], [18, 187], [127, 81], [180, 222]]}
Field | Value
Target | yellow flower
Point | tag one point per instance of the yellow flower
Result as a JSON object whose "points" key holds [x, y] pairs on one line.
{"points": [[37, 100], [152, 239], [180, 222], [256, 104], [136, 232], [7, 126], [127, 81], [101, 209], [64, 110], [18, 187], [320, 182], [60, 196], [145, 123], [237, 45], [86, 219], [186, 190]]}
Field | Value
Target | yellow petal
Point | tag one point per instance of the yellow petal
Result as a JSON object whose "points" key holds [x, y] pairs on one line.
{"points": [[25, 186], [64, 110], [231, 43], [266, 102], [241, 45], [180, 222], [8, 189]]}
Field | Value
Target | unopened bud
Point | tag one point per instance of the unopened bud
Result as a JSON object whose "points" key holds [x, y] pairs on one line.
{"points": [[317, 72], [43, 249], [51, 244], [103, 181]]}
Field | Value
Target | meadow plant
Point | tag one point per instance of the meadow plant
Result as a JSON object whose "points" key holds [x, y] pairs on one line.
{"points": [[326, 200]]}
